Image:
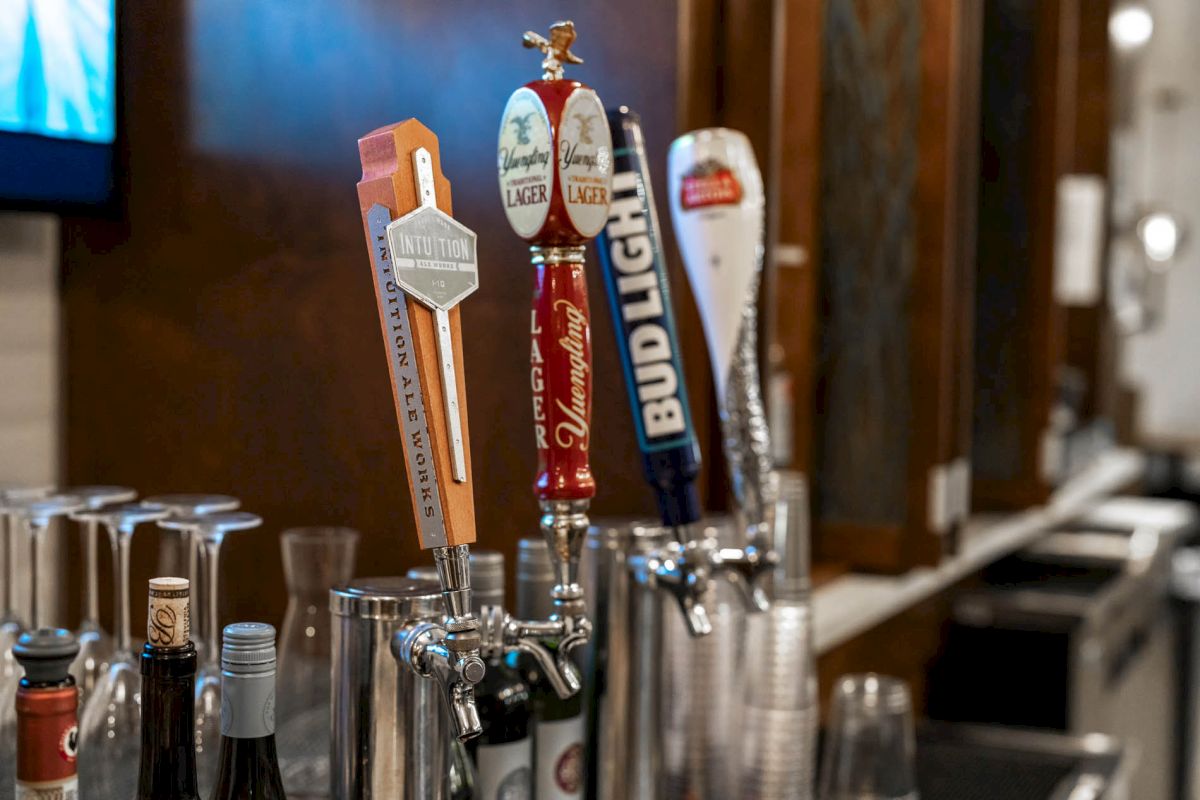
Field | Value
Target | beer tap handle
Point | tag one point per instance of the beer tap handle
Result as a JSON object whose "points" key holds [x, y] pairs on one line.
{"points": [[424, 264], [635, 277], [717, 205], [554, 159]]}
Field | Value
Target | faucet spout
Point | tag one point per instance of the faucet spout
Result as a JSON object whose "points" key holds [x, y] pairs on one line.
{"points": [[549, 642], [683, 572], [432, 652], [747, 568]]}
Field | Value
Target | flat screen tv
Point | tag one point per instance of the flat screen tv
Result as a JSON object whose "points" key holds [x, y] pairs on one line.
{"points": [[58, 102]]}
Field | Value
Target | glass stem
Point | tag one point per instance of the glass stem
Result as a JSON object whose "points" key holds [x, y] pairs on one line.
{"points": [[10, 569], [34, 605], [91, 575], [120, 540], [212, 551]]}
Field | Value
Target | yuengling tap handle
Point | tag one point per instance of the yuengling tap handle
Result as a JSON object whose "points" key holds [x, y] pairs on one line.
{"points": [[554, 160]]}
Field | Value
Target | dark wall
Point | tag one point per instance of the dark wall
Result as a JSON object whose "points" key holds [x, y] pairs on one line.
{"points": [[221, 335]]}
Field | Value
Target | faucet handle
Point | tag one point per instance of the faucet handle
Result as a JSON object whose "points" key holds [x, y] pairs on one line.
{"points": [[746, 567], [423, 647], [683, 572]]}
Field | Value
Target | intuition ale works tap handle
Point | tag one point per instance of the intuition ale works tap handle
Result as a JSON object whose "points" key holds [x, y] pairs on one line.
{"points": [[424, 263], [555, 166]]}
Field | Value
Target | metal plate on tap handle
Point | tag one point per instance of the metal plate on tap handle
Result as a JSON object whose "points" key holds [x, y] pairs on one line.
{"points": [[434, 257]]}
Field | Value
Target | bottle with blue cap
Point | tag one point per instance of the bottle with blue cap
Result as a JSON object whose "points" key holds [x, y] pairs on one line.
{"points": [[248, 766]]}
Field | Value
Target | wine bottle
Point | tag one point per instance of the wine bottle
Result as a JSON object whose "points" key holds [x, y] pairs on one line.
{"points": [[248, 767], [168, 764], [558, 731], [47, 716], [503, 753]]}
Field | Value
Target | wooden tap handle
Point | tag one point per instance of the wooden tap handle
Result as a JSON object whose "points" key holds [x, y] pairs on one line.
{"points": [[444, 508], [561, 378]]}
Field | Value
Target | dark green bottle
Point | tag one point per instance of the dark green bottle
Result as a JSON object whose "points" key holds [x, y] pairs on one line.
{"points": [[558, 731], [168, 764]]}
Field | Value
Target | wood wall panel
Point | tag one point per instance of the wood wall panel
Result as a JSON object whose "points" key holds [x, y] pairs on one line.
{"points": [[1027, 135], [898, 150], [222, 332]]}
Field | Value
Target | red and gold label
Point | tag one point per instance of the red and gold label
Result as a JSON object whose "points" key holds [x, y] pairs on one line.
{"points": [[47, 744], [709, 183], [561, 378]]}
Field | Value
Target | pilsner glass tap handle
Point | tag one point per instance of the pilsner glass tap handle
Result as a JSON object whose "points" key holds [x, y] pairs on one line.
{"points": [[717, 206], [424, 263], [554, 159]]}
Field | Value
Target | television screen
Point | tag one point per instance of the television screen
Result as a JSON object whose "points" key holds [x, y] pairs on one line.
{"points": [[57, 101]]}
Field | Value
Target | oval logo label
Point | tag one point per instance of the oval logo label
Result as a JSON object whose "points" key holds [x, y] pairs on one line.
{"points": [[523, 160], [585, 162]]}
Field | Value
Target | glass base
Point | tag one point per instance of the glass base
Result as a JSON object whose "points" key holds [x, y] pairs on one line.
{"points": [[95, 656], [110, 734], [208, 727]]}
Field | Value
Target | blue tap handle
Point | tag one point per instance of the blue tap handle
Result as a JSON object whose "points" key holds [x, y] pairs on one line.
{"points": [[639, 297]]}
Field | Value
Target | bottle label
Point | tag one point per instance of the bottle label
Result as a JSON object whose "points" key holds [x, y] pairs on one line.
{"points": [[585, 161], [524, 159], [504, 771], [560, 759], [248, 706], [66, 789]]}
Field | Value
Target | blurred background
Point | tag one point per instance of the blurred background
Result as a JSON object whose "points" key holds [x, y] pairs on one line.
{"points": [[980, 316]]}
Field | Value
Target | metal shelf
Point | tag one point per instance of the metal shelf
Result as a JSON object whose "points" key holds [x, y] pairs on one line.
{"points": [[847, 606]]}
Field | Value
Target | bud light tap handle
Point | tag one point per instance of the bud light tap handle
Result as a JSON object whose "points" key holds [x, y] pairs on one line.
{"points": [[635, 276]]}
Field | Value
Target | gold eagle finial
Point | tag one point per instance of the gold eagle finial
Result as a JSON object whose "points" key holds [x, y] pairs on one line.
{"points": [[557, 48]]}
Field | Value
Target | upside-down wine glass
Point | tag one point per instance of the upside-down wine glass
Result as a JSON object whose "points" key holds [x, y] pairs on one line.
{"points": [[210, 530], [11, 625], [35, 514], [191, 504], [95, 645], [110, 725]]}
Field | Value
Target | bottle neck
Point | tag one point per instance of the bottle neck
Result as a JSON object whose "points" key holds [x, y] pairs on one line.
{"points": [[248, 768], [168, 762], [248, 705]]}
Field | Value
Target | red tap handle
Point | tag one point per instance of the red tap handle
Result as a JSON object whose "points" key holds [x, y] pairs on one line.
{"points": [[561, 378], [555, 167]]}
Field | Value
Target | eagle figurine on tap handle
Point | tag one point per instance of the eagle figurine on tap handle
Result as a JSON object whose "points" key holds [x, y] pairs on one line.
{"points": [[424, 264], [554, 161]]}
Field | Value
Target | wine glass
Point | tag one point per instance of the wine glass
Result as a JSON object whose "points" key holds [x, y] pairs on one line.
{"points": [[95, 645], [194, 505], [10, 618], [35, 514], [110, 727], [210, 530]]}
